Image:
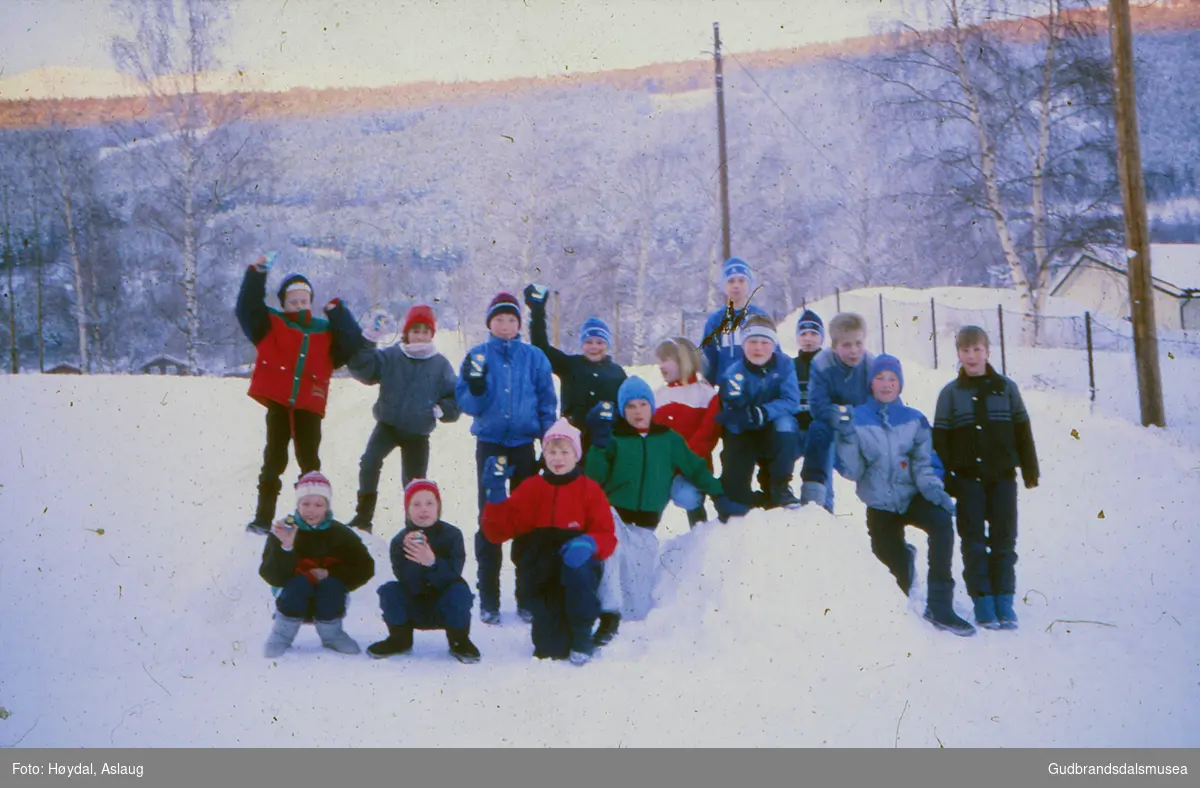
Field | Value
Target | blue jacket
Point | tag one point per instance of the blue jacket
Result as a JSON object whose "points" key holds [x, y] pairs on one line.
{"points": [[888, 450], [724, 347], [830, 383], [772, 387], [519, 404]]}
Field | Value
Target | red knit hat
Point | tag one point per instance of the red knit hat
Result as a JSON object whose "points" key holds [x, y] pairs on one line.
{"points": [[421, 313], [416, 485]]}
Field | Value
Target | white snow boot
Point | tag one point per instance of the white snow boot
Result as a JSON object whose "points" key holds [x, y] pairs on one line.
{"points": [[334, 637], [283, 632]]}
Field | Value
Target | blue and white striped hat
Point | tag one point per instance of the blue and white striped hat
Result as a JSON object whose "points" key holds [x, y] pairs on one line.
{"points": [[595, 328], [736, 266]]}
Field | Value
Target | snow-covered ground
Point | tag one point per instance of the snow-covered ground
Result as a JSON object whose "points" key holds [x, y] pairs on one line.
{"points": [[132, 614]]}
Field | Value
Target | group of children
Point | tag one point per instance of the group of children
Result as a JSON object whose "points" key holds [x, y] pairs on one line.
{"points": [[582, 516]]}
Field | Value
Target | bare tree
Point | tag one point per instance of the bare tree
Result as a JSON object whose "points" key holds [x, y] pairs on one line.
{"points": [[202, 154]]}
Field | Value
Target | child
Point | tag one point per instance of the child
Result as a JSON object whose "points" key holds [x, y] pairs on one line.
{"points": [[506, 386], [585, 379], [810, 333], [416, 390], [565, 527], [635, 461], [720, 340], [313, 562], [689, 406], [759, 400], [296, 355], [838, 376], [981, 431], [429, 591], [887, 448]]}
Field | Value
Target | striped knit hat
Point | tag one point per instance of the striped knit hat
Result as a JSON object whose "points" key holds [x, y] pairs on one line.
{"points": [[314, 483], [504, 304], [736, 266], [810, 321], [595, 328]]}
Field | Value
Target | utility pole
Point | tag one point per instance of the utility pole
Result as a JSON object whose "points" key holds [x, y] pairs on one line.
{"points": [[1133, 196], [723, 160]]}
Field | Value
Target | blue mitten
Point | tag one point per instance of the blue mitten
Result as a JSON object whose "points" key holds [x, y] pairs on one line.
{"points": [[942, 498], [727, 508], [496, 473], [535, 296], [600, 423], [743, 419], [576, 552]]}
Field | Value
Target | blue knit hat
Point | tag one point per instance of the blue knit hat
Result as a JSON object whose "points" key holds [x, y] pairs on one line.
{"points": [[736, 266], [885, 363], [810, 321], [595, 328], [634, 388]]}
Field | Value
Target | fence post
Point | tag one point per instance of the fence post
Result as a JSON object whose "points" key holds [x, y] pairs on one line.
{"points": [[882, 339], [683, 322], [1003, 357], [616, 330], [557, 316], [933, 322], [837, 298], [1087, 323]]}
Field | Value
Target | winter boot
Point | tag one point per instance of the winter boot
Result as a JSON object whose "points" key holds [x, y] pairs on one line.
{"points": [[580, 658], [812, 492], [985, 612], [1004, 611], [609, 624], [399, 641], [906, 583], [697, 516], [334, 637], [365, 512], [461, 646], [283, 632], [939, 610], [264, 513], [782, 497], [525, 615], [491, 617]]}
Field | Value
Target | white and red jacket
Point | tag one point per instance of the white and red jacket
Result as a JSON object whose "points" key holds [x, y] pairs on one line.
{"points": [[690, 409]]}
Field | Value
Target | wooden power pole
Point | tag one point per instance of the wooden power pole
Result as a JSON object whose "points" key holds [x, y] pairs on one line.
{"points": [[723, 161], [1137, 239]]}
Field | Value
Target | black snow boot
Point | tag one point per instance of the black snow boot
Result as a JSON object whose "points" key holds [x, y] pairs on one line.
{"points": [[264, 513], [697, 516], [365, 512], [607, 630], [461, 646], [939, 610], [399, 641], [782, 496], [906, 582]]}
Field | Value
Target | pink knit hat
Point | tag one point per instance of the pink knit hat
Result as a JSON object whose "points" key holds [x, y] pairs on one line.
{"points": [[562, 430]]}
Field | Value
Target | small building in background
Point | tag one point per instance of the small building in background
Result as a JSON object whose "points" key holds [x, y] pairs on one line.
{"points": [[165, 365], [1097, 279]]}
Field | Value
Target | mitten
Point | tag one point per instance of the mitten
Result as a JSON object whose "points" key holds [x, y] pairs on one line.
{"points": [[727, 508], [845, 424], [600, 423], [535, 296], [743, 419], [438, 413], [576, 552], [496, 472], [477, 374], [264, 262], [333, 304], [942, 498]]}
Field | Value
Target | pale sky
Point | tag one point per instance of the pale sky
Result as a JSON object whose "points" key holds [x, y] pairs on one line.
{"points": [[372, 42]]}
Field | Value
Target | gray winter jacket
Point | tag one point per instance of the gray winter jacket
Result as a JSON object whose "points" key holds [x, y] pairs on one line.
{"points": [[409, 387], [888, 451]]}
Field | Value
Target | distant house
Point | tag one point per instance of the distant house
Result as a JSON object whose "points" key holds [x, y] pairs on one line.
{"points": [[165, 365], [64, 369], [1097, 279]]}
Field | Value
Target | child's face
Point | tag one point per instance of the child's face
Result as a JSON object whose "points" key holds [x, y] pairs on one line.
{"points": [[737, 290], [419, 333], [850, 348], [886, 386], [669, 368], [423, 509], [560, 456], [809, 341], [758, 350], [974, 359], [505, 326], [595, 349], [297, 301], [639, 414], [313, 509]]}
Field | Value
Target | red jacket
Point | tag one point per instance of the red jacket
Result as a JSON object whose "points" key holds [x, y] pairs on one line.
{"points": [[579, 506], [690, 409]]}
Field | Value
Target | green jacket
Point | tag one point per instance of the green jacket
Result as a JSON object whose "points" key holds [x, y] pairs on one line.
{"points": [[636, 472]]}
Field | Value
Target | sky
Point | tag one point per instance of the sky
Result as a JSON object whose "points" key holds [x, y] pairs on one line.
{"points": [[343, 43]]}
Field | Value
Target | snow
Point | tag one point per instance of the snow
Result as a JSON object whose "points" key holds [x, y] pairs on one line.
{"points": [[779, 629]]}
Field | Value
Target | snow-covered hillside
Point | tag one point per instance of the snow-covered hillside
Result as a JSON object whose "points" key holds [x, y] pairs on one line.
{"points": [[133, 615]]}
